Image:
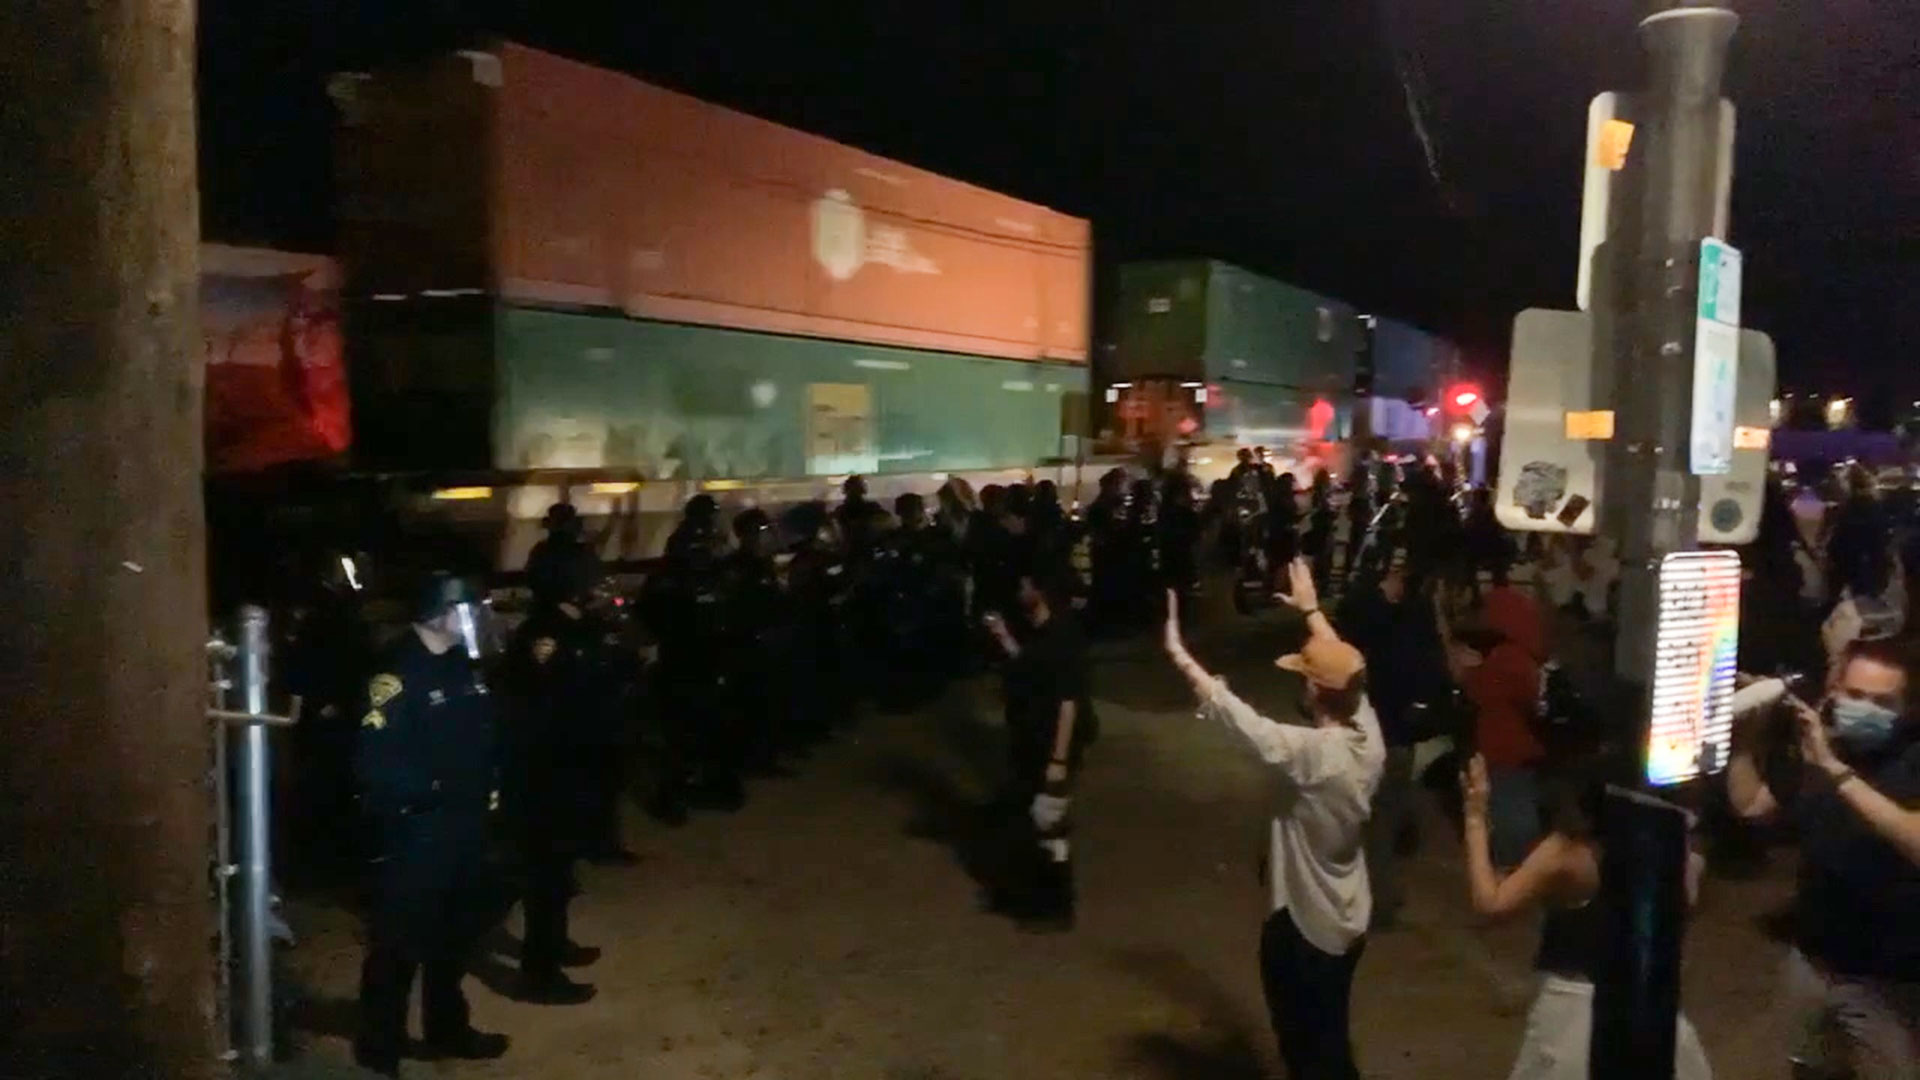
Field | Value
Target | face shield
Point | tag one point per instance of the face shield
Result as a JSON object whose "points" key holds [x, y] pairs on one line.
{"points": [[467, 618]]}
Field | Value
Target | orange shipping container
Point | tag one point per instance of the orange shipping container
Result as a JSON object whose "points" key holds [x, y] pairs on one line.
{"points": [[608, 192]]}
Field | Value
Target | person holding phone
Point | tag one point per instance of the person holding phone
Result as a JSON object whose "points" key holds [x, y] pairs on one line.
{"points": [[1326, 772], [1853, 978]]}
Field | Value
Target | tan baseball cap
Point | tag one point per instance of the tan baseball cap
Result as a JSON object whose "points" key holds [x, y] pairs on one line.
{"points": [[1325, 661]]}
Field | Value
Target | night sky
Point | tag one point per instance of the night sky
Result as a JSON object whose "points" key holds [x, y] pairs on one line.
{"points": [[1274, 135]]}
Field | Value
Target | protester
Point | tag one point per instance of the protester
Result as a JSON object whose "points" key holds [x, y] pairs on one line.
{"points": [[1392, 625], [1853, 980], [1050, 724], [1561, 876], [1497, 665], [1327, 771]]}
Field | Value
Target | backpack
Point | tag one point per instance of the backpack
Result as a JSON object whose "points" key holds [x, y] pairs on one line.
{"points": [[1562, 717]]}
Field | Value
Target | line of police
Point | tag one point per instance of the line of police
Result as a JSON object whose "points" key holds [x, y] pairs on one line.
{"points": [[764, 648]]}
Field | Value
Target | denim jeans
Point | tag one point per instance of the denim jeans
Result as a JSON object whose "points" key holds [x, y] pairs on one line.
{"points": [[1513, 814]]}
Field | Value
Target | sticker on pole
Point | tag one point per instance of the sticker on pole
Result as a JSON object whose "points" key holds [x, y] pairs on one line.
{"points": [[1716, 359], [1696, 648]]}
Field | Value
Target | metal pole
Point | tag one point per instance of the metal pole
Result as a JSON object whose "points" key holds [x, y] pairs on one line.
{"points": [[1644, 309], [220, 656], [256, 943]]}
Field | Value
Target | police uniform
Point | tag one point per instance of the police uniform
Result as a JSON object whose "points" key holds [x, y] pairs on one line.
{"points": [[818, 584], [426, 767], [687, 611], [551, 785], [761, 627]]}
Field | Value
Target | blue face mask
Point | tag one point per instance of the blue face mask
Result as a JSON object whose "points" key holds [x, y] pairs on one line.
{"points": [[1863, 725]]}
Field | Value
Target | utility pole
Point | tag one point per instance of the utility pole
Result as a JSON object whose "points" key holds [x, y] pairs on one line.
{"points": [[1645, 300], [106, 923]]}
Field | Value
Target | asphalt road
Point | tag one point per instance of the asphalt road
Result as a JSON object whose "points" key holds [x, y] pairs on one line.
{"points": [[832, 930]]}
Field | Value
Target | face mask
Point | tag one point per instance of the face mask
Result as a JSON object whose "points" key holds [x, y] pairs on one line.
{"points": [[1862, 724]]}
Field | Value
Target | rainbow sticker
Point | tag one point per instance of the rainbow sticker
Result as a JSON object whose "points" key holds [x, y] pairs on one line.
{"points": [[1697, 646]]}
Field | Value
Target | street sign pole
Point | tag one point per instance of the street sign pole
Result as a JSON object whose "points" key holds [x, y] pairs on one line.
{"points": [[1646, 314]]}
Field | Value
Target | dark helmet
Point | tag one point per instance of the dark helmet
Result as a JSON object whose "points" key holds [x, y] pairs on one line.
{"points": [[701, 509], [440, 593], [1019, 500], [750, 523], [561, 517], [805, 522]]}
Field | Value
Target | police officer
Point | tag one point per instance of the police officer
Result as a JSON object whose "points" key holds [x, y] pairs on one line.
{"points": [[553, 735], [425, 763], [1179, 536], [855, 517], [1142, 562], [911, 606], [1106, 531], [686, 610], [328, 654], [760, 624], [818, 583], [553, 561], [613, 672]]}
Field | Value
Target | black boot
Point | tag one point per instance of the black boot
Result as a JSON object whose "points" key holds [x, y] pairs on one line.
{"points": [[1052, 908], [468, 1045], [552, 988], [379, 1063]]}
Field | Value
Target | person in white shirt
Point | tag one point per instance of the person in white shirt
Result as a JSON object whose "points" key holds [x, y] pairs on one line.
{"points": [[1325, 775]]}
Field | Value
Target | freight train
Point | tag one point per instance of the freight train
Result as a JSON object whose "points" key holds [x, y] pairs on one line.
{"points": [[559, 281], [556, 281], [1200, 349]]}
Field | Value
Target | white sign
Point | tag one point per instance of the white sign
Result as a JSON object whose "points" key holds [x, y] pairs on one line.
{"points": [[1730, 504], [1696, 650], [1548, 482], [1606, 157], [1716, 359]]}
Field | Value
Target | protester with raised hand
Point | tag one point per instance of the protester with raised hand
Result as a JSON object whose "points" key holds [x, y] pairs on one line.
{"points": [[1326, 770], [1561, 877]]}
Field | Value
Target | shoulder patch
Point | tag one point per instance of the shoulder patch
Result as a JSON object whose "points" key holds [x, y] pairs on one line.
{"points": [[382, 689], [374, 719]]}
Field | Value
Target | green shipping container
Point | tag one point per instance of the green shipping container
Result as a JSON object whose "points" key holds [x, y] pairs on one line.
{"points": [[689, 402], [1208, 321]]}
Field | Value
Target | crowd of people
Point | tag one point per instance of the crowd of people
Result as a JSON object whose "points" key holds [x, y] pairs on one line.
{"points": [[770, 631]]}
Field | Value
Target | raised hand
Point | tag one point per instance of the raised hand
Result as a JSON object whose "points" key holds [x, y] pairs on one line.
{"points": [[1474, 788], [1301, 594]]}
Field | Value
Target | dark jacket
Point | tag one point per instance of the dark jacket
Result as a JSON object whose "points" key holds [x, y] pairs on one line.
{"points": [[556, 724], [426, 741], [1406, 663]]}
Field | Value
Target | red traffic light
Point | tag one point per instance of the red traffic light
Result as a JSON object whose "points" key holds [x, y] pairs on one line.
{"points": [[1463, 397]]}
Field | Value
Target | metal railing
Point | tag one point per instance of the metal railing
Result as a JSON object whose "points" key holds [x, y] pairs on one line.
{"points": [[245, 929]]}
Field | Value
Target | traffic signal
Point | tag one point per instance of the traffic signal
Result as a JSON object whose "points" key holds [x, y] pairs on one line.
{"points": [[1462, 396]]}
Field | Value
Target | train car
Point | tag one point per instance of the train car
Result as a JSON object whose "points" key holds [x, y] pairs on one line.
{"points": [[562, 281]]}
